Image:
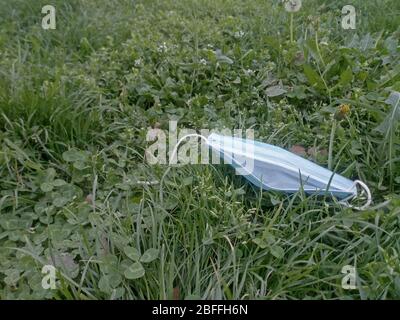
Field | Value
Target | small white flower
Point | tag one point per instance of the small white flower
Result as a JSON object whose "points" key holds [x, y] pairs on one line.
{"points": [[293, 5], [203, 62], [239, 34], [162, 47], [138, 62], [249, 72]]}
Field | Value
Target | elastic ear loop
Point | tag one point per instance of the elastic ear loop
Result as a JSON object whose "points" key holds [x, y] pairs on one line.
{"points": [[367, 191], [173, 154]]}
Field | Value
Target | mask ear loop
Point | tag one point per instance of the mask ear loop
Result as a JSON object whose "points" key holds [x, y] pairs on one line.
{"points": [[173, 154], [367, 191]]}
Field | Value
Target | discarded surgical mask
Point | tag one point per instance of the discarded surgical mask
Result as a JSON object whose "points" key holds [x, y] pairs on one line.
{"points": [[273, 168]]}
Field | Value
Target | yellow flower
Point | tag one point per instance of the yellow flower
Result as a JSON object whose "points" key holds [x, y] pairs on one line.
{"points": [[343, 110]]}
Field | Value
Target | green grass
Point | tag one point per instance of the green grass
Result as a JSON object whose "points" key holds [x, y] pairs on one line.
{"points": [[76, 104]]}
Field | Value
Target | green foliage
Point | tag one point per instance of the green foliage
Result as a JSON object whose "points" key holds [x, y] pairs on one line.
{"points": [[390, 122]]}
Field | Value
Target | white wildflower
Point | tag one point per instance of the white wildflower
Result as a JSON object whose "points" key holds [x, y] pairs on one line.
{"points": [[239, 34], [162, 47], [293, 5]]}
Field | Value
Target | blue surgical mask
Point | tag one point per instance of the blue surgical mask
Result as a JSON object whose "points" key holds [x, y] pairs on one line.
{"points": [[273, 168]]}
